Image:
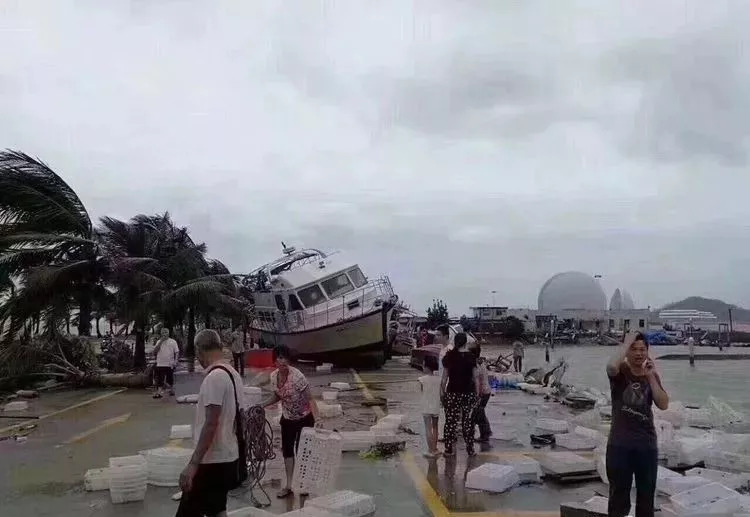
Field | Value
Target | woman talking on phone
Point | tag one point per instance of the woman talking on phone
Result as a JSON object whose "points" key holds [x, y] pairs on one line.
{"points": [[631, 450]]}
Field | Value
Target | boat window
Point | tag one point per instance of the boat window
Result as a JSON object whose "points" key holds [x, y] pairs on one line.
{"points": [[280, 302], [310, 296], [357, 277], [337, 286], [294, 303]]}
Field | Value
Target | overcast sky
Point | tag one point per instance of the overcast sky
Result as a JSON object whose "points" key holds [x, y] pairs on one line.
{"points": [[459, 147]]}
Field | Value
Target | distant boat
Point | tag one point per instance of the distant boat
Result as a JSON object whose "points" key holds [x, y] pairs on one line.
{"points": [[322, 307]]}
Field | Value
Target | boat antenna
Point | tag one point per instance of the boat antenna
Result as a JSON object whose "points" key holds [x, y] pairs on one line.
{"points": [[287, 250]]}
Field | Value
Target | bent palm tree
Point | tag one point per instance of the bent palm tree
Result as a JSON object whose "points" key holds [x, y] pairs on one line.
{"points": [[46, 241]]}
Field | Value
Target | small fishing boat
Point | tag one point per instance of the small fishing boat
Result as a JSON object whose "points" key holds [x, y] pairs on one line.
{"points": [[322, 307]]}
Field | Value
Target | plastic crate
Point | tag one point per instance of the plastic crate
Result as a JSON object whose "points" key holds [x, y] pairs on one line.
{"points": [[330, 396], [550, 425], [96, 479], [317, 462], [344, 503], [165, 465], [675, 484], [492, 477], [128, 483], [329, 410], [575, 442], [710, 499], [181, 432]]}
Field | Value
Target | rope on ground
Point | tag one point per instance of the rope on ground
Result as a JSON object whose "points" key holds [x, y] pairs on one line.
{"points": [[259, 436]]}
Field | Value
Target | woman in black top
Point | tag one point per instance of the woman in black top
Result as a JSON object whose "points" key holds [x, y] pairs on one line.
{"points": [[631, 450], [459, 390]]}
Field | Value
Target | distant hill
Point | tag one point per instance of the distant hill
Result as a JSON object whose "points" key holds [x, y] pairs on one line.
{"points": [[717, 307]]}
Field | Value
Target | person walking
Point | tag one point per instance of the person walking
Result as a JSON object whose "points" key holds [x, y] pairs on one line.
{"points": [[167, 355], [460, 387], [238, 351], [215, 467], [631, 450], [483, 393], [518, 356], [430, 383], [298, 409]]}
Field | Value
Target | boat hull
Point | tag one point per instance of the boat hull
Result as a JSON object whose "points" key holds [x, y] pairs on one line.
{"points": [[339, 342]]}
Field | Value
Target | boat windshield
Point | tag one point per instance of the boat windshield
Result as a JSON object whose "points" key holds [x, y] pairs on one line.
{"points": [[357, 277], [310, 296], [337, 285]]}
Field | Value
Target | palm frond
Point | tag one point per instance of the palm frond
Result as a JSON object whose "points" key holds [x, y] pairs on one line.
{"points": [[37, 239]]}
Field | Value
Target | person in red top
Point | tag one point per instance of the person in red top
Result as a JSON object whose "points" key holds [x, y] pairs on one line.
{"points": [[631, 449]]}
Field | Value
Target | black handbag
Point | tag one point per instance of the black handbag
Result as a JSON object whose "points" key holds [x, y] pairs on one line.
{"points": [[239, 430]]}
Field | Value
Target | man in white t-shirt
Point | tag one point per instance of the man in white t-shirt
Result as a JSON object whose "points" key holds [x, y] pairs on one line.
{"points": [[167, 354], [212, 470]]}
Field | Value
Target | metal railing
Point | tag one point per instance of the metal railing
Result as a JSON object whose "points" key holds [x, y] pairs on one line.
{"points": [[362, 300]]}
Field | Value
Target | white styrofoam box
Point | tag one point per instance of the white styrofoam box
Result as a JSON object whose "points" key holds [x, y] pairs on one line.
{"points": [[528, 469], [384, 428], [356, 440], [325, 367], [710, 499], [550, 425], [180, 432], [329, 410], [691, 451], [96, 479], [124, 461], [317, 462], [330, 396], [675, 484], [250, 511], [566, 463], [188, 399], [601, 467], [592, 434], [700, 417], [492, 477], [674, 415], [503, 433], [128, 483], [345, 503], [16, 405], [340, 385], [309, 512], [393, 418], [736, 443], [575, 442], [731, 480], [165, 465], [728, 461], [597, 504], [253, 395]]}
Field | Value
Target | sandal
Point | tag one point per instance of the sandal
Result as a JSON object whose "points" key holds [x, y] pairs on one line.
{"points": [[284, 493]]}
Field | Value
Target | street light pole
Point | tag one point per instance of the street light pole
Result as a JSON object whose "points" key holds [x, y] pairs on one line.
{"points": [[493, 297]]}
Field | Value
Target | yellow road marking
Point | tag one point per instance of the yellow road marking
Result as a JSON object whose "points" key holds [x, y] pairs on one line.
{"points": [[63, 410], [425, 489], [377, 409], [106, 423], [507, 513]]}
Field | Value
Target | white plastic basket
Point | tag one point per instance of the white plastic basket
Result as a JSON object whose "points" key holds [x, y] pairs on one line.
{"points": [[317, 462], [181, 432], [127, 483], [96, 479], [165, 465], [344, 503], [710, 499]]}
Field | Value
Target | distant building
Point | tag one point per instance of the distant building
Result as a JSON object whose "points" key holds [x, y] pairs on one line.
{"points": [[682, 317]]}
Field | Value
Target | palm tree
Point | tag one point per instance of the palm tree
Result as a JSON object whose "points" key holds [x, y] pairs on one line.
{"points": [[47, 242]]}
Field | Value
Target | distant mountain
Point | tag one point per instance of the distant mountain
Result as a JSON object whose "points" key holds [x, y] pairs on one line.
{"points": [[719, 308]]}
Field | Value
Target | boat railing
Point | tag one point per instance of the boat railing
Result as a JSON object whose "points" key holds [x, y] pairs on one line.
{"points": [[362, 300]]}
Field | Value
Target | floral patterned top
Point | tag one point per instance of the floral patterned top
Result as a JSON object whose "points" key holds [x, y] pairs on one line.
{"points": [[294, 399]]}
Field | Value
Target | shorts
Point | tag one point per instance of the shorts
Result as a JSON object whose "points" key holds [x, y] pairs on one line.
{"points": [[164, 373], [208, 495], [435, 415], [290, 433]]}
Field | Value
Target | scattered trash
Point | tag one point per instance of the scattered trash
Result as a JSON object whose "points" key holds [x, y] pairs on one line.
{"points": [[492, 478], [345, 503], [383, 451], [179, 432], [317, 461]]}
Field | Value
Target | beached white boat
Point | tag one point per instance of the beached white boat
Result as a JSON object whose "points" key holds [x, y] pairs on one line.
{"points": [[322, 307]]}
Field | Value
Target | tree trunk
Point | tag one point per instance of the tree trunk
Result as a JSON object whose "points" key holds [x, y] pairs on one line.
{"points": [[67, 325], [111, 327], [37, 321], [139, 355], [190, 346], [84, 314], [208, 319], [98, 332]]}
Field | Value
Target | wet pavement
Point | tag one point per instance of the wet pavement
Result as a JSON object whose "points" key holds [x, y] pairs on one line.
{"points": [[43, 476]]}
